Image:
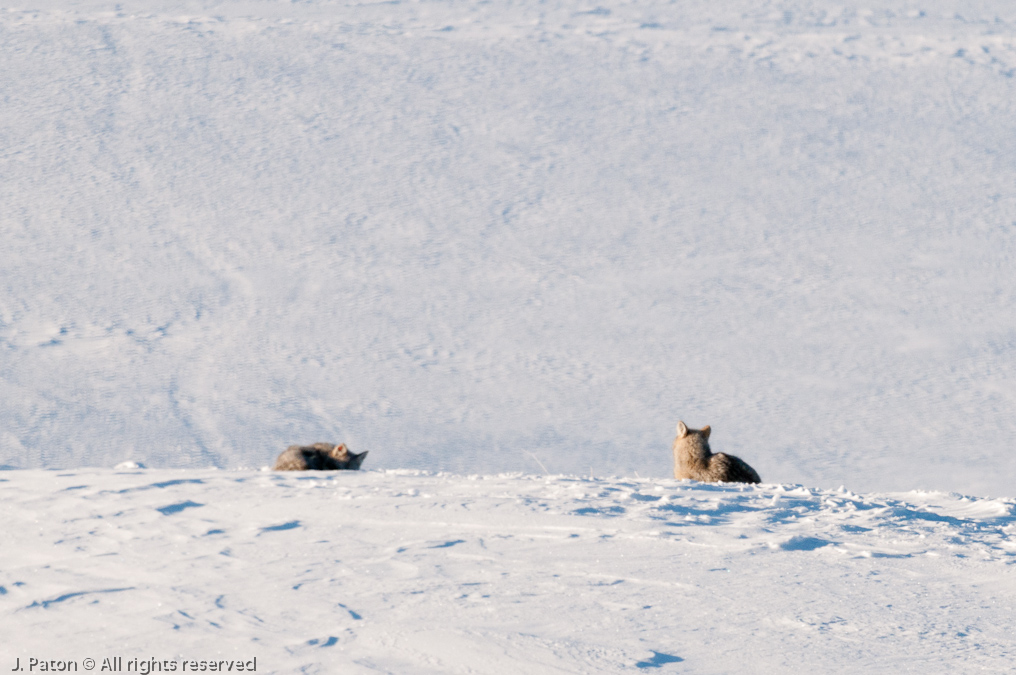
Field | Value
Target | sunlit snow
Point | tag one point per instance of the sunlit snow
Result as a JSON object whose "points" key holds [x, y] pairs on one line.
{"points": [[504, 247]]}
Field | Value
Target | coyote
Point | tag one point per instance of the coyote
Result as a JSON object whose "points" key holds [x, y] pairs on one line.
{"points": [[318, 457], [693, 459]]}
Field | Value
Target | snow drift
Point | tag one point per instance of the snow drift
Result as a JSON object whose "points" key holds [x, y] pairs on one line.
{"points": [[406, 571]]}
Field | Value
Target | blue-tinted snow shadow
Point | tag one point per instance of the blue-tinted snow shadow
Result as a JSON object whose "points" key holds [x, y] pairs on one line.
{"points": [[449, 544], [163, 484], [355, 615], [177, 508], [67, 596], [293, 524], [659, 659], [330, 641], [804, 544], [610, 511], [713, 509]]}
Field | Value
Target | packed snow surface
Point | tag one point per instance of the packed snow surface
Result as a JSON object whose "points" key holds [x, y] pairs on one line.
{"points": [[509, 236], [415, 572], [495, 239]]}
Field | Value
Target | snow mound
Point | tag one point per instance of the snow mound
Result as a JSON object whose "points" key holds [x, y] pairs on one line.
{"points": [[410, 571]]}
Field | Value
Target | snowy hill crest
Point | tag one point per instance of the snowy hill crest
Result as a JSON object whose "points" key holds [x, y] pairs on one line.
{"points": [[404, 570]]}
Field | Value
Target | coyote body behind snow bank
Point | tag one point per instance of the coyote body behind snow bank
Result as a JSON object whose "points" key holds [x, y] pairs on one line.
{"points": [[318, 457], [693, 459]]}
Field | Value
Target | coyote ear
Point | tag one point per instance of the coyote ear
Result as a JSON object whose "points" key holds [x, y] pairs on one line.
{"points": [[705, 432], [682, 430]]}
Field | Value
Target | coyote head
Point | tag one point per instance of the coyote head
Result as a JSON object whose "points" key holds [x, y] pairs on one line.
{"points": [[349, 460], [683, 430], [355, 460]]}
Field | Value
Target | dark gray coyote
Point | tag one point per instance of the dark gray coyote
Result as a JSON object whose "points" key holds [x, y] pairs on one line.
{"points": [[693, 459], [318, 457]]}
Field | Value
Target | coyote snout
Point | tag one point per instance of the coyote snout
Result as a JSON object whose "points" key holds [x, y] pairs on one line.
{"points": [[318, 457], [693, 459]]}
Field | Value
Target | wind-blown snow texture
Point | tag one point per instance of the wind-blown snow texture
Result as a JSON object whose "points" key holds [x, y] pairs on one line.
{"points": [[402, 572], [475, 237]]}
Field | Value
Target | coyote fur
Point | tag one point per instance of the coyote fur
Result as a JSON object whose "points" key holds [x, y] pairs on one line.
{"points": [[318, 457], [693, 459]]}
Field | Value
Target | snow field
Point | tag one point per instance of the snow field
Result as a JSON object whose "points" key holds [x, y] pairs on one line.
{"points": [[405, 571], [457, 233], [490, 239]]}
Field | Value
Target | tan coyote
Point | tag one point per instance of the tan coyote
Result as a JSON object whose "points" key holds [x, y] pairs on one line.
{"points": [[693, 459], [318, 457]]}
